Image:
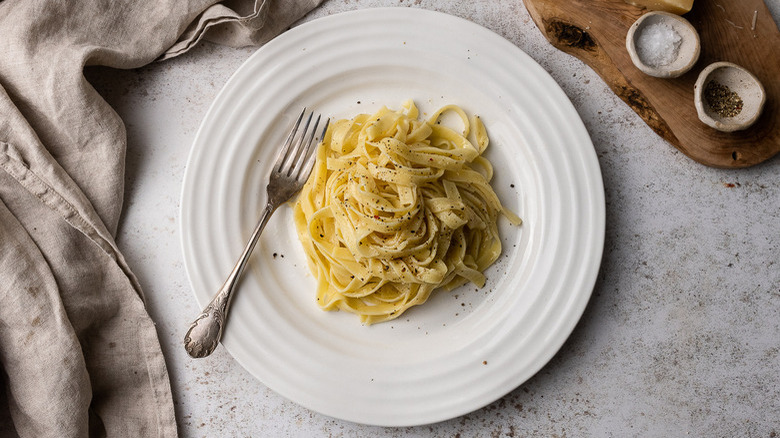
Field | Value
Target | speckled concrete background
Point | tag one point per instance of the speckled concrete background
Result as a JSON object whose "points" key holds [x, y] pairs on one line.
{"points": [[681, 337]]}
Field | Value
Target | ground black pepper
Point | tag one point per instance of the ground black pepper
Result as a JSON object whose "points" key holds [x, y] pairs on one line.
{"points": [[722, 100]]}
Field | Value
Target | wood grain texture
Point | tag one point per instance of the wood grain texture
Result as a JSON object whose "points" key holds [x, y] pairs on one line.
{"points": [[595, 32]]}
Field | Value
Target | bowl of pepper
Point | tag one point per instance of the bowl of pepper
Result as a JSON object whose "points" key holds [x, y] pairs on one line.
{"points": [[728, 97]]}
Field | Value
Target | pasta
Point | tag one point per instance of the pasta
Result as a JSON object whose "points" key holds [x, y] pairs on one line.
{"points": [[397, 207]]}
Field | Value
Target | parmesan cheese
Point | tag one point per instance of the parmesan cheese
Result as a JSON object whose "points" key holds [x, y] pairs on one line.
{"points": [[678, 7]]}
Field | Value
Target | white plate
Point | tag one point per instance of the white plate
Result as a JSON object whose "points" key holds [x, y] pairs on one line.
{"points": [[461, 350]]}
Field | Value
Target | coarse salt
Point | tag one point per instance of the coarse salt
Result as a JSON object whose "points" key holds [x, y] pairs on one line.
{"points": [[658, 44]]}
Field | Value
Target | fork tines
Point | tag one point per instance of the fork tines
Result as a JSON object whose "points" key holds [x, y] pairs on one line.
{"points": [[298, 149]]}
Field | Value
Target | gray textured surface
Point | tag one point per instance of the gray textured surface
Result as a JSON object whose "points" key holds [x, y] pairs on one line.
{"points": [[681, 336]]}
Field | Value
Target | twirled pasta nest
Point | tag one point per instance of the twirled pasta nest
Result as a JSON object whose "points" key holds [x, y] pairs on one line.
{"points": [[397, 207]]}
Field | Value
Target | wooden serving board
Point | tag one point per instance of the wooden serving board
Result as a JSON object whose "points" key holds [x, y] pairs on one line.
{"points": [[595, 32]]}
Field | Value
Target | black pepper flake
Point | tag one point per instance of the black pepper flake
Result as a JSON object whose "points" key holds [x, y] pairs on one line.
{"points": [[275, 254]]}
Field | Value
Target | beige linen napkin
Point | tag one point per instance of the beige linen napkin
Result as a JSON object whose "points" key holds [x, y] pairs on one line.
{"points": [[79, 352]]}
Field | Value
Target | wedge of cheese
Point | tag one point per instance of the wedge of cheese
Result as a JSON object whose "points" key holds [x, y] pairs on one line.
{"points": [[678, 7]]}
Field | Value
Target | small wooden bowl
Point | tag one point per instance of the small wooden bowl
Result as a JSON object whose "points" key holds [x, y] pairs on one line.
{"points": [[687, 54], [739, 81]]}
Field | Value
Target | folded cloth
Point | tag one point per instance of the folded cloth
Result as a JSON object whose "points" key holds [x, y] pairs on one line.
{"points": [[79, 352]]}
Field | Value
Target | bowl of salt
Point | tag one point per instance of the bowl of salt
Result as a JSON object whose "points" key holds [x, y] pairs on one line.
{"points": [[663, 45]]}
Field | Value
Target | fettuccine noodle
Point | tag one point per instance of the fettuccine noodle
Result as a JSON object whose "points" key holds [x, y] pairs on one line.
{"points": [[397, 207]]}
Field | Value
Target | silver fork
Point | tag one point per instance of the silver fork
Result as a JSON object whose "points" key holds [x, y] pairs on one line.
{"points": [[290, 172]]}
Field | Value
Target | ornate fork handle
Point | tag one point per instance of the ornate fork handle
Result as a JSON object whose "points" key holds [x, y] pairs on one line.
{"points": [[206, 331]]}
